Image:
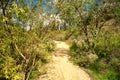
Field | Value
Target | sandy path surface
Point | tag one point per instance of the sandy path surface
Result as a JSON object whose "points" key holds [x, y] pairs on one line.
{"points": [[60, 68]]}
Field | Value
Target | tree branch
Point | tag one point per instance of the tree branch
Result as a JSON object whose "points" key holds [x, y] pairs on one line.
{"points": [[20, 53]]}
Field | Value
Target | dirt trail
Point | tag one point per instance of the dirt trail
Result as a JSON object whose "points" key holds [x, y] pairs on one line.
{"points": [[60, 68]]}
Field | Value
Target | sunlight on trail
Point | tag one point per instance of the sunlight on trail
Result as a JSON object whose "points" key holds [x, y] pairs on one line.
{"points": [[60, 68]]}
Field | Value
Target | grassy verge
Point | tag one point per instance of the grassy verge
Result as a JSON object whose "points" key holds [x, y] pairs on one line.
{"points": [[109, 74]]}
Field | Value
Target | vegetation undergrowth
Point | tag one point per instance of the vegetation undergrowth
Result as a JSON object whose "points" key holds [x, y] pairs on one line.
{"points": [[24, 43], [96, 40], [104, 62], [27, 29]]}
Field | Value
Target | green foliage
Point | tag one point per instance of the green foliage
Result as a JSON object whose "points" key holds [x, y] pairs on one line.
{"points": [[21, 52], [13, 65], [98, 48], [33, 74], [110, 74], [96, 67], [117, 13], [57, 35], [80, 55], [107, 44], [10, 69], [105, 57]]}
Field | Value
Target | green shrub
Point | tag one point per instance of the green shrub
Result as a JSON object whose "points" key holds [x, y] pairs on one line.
{"points": [[105, 58], [34, 49], [33, 74], [10, 70], [110, 74], [107, 49], [80, 56], [107, 46]]}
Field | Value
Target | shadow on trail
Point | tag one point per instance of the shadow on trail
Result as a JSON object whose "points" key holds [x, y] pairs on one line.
{"points": [[60, 68]]}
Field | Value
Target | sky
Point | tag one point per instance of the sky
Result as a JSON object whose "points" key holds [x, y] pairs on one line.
{"points": [[43, 5], [48, 9], [87, 7], [35, 0], [97, 2], [43, 2]]}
